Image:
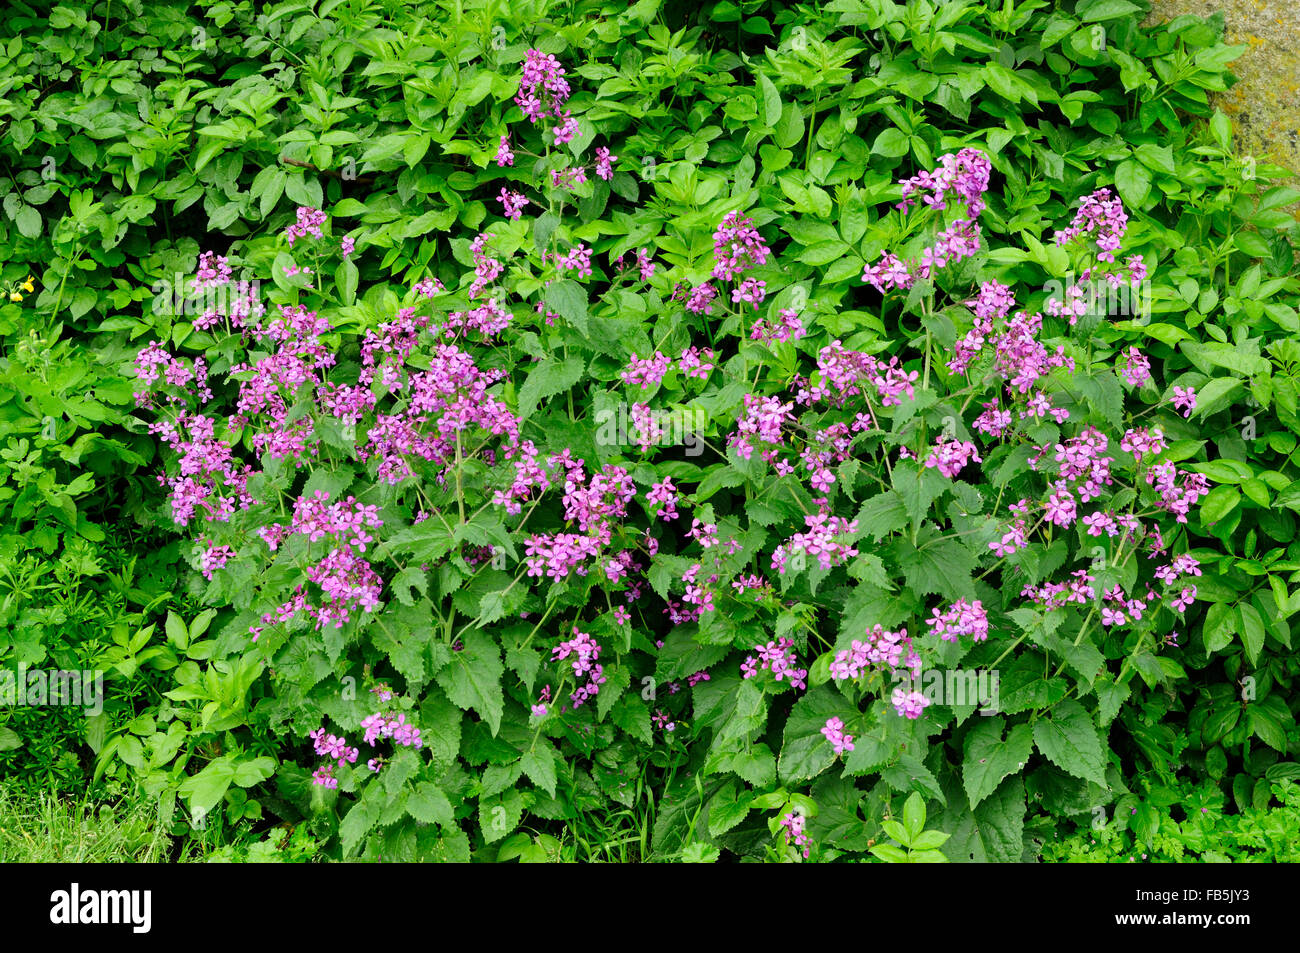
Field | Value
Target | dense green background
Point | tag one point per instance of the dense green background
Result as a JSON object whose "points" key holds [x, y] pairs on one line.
{"points": [[136, 135]]}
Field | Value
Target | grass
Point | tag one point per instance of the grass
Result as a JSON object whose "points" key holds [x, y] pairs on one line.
{"points": [[49, 829]]}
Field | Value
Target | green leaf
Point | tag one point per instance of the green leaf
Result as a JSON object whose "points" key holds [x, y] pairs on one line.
{"points": [[1068, 738], [771, 101], [429, 805], [789, 129], [28, 221], [1095, 11], [728, 808], [1103, 392], [539, 764], [989, 757], [1218, 503], [547, 379], [890, 854], [882, 515], [941, 568], [253, 771], [914, 816], [1252, 631], [360, 819], [1265, 726], [346, 277], [805, 752], [700, 853], [473, 678], [1215, 395], [568, 299], [990, 833], [206, 789], [892, 143], [1134, 182], [406, 581], [1222, 621], [176, 633], [919, 487]]}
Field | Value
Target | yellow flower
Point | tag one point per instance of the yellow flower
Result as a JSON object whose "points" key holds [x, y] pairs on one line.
{"points": [[27, 285], [15, 296]]}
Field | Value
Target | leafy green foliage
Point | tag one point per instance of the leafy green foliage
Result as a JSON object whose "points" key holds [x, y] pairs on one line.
{"points": [[141, 139]]}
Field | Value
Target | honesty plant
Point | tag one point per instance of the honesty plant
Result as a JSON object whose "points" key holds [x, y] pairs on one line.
{"points": [[416, 492]]}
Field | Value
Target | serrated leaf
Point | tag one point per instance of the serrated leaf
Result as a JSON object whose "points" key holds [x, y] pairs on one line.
{"points": [[429, 805], [728, 808], [990, 833], [882, 515], [989, 757], [547, 379], [1068, 738], [568, 299], [539, 764], [473, 678], [805, 752]]}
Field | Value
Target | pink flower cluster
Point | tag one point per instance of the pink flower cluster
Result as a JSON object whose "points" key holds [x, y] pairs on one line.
{"points": [[577, 259], [737, 246], [452, 395], [213, 271], [881, 649], [909, 704], [785, 327], [543, 91], [308, 222], [834, 732], [585, 651], [964, 174], [512, 203], [650, 371], [213, 558], [209, 478], [1135, 367], [818, 541], [334, 748], [1143, 441], [960, 618], [1184, 399], [647, 371], [595, 506], [751, 290], [1176, 497], [665, 493], [764, 417], [778, 658], [315, 518], [645, 266], [950, 456], [1101, 215], [843, 373], [793, 824], [395, 727]]}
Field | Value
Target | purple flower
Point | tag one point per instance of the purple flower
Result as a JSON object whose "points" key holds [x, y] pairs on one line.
{"points": [[1184, 399]]}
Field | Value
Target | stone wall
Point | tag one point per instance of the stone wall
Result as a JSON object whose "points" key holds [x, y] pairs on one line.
{"points": [[1265, 105]]}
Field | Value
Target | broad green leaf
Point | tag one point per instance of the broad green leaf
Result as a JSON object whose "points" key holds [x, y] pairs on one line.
{"points": [[473, 678], [990, 833], [547, 379], [1068, 738], [428, 804], [568, 299], [989, 757]]}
